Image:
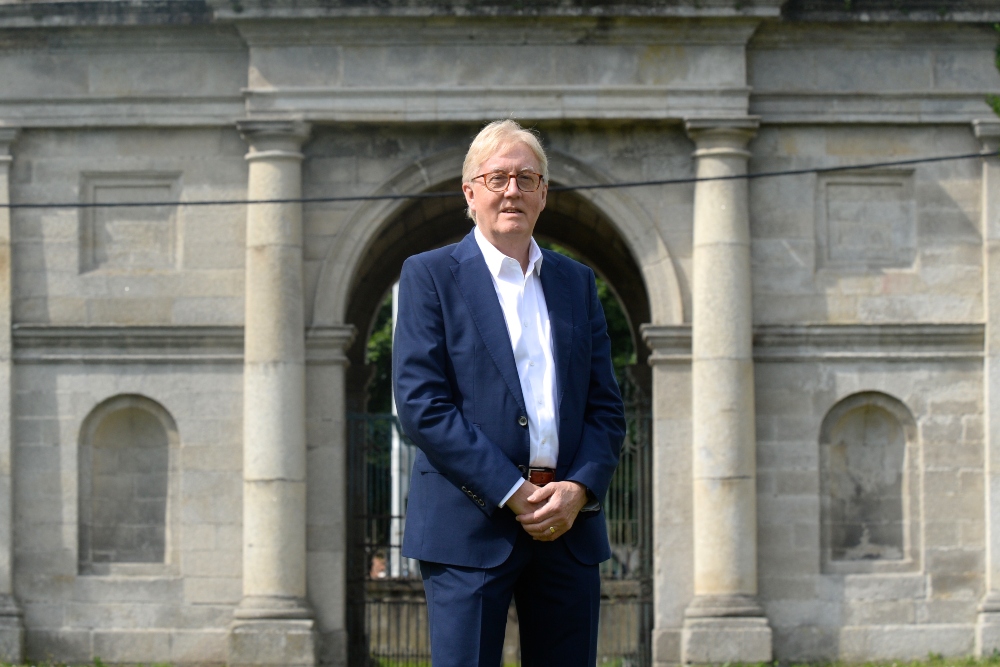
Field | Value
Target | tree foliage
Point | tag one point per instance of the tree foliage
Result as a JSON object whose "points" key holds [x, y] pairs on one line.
{"points": [[994, 100]]}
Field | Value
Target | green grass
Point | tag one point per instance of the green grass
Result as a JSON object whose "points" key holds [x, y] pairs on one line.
{"points": [[96, 663], [932, 660]]}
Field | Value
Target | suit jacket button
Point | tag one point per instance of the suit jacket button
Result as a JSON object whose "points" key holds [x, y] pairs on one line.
{"points": [[522, 420]]}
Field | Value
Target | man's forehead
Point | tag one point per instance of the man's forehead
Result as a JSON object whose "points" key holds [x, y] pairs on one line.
{"points": [[511, 158]]}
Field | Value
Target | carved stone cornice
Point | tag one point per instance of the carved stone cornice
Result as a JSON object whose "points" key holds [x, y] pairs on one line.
{"points": [[127, 344], [247, 10], [8, 135], [476, 103], [835, 342], [328, 345], [987, 130], [39, 344]]}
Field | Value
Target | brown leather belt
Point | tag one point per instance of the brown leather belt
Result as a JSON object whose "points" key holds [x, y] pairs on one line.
{"points": [[538, 476]]}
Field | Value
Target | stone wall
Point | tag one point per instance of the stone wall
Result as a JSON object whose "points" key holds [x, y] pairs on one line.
{"points": [[866, 290]]}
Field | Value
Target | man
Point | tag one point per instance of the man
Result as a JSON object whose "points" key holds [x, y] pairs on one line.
{"points": [[503, 379]]}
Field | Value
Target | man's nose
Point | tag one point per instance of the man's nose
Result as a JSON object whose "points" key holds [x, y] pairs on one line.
{"points": [[512, 188]]}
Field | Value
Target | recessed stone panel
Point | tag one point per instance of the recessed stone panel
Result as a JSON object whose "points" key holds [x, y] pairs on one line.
{"points": [[125, 238], [866, 221]]}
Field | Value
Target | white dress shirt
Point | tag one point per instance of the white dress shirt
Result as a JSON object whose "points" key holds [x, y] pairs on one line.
{"points": [[523, 303]]}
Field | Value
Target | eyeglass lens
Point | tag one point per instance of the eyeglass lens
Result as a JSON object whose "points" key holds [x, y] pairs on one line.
{"points": [[497, 182]]}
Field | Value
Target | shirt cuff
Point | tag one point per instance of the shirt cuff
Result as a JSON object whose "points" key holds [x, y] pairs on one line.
{"points": [[517, 485]]}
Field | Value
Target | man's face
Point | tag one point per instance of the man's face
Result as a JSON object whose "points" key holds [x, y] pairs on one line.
{"points": [[510, 214]]}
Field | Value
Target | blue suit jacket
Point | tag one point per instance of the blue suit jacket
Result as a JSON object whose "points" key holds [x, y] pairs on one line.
{"points": [[459, 400]]}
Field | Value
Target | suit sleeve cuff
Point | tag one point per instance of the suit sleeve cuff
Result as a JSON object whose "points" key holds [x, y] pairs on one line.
{"points": [[513, 489]]}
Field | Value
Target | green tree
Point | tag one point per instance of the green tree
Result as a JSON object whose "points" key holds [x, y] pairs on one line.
{"points": [[379, 354], [994, 100]]}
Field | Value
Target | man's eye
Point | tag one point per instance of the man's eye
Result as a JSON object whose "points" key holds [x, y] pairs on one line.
{"points": [[497, 180], [527, 182]]}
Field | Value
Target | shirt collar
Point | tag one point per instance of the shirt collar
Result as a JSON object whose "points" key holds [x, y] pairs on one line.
{"points": [[494, 258]]}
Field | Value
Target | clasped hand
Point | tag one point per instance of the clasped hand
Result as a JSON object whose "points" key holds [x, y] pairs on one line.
{"points": [[553, 506]]}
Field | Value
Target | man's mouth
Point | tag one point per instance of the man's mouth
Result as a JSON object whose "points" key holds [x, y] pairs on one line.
{"points": [[510, 210]]}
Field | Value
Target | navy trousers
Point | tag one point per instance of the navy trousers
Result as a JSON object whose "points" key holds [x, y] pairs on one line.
{"points": [[558, 603]]}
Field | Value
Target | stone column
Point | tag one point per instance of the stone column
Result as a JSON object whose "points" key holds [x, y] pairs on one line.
{"points": [[723, 623], [11, 628], [273, 624], [328, 539], [988, 624]]}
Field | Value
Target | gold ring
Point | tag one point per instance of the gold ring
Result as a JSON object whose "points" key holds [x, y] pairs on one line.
{"points": [[552, 529]]}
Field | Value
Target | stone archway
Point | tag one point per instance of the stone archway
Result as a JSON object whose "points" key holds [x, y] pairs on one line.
{"points": [[568, 220], [606, 229]]}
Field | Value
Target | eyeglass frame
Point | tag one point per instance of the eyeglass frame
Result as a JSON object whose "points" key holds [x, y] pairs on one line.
{"points": [[510, 175]]}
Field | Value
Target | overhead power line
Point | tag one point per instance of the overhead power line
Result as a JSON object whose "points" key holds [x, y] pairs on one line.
{"points": [[555, 188]]}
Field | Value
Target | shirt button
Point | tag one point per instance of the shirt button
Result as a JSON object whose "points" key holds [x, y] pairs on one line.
{"points": [[531, 363]]}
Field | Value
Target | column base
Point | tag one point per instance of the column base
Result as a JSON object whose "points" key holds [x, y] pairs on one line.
{"points": [[333, 648], [988, 625], [666, 646], [11, 631], [272, 643], [272, 632], [725, 629]]}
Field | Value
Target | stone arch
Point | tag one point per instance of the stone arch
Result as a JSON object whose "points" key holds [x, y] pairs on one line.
{"points": [[607, 228], [127, 454], [869, 485]]}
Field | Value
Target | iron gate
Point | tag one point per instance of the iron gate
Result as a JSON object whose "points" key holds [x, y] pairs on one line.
{"points": [[387, 621]]}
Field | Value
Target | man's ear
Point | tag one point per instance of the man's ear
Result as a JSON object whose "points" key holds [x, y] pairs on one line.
{"points": [[470, 195]]}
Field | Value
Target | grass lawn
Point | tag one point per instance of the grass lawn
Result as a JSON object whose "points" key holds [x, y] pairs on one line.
{"points": [[933, 660]]}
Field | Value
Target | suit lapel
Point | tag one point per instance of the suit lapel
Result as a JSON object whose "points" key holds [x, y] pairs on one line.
{"points": [[559, 302], [476, 284]]}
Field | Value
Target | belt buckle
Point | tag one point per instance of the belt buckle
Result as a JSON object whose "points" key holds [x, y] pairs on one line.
{"points": [[546, 474]]}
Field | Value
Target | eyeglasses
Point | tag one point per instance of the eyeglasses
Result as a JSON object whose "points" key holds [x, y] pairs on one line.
{"points": [[497, 181]]}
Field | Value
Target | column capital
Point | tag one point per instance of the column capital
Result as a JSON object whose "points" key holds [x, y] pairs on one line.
{"points": [[668, 344], [274, 139], [987, 130], [328, 345], [8, 135], [722, 136]]}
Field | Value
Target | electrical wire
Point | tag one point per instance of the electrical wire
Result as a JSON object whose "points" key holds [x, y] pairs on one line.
{"points": [[555, 188]]}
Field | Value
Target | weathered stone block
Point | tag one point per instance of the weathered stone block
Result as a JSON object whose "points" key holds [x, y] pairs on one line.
{"points": [[905, 642], [64, 645], [722, 640], [132, 645], [666, 646], [271, 644], [198, 646]]}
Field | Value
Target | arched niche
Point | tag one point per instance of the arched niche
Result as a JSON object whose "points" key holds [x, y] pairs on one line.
{"points": [[127, 455], [606, 229], [869, 486]]}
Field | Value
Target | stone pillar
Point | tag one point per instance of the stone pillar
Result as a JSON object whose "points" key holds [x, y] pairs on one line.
{"points": [[328, 540], [723, 623], [673, 543], [274, 623], [988, 624], [11, 628]]}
